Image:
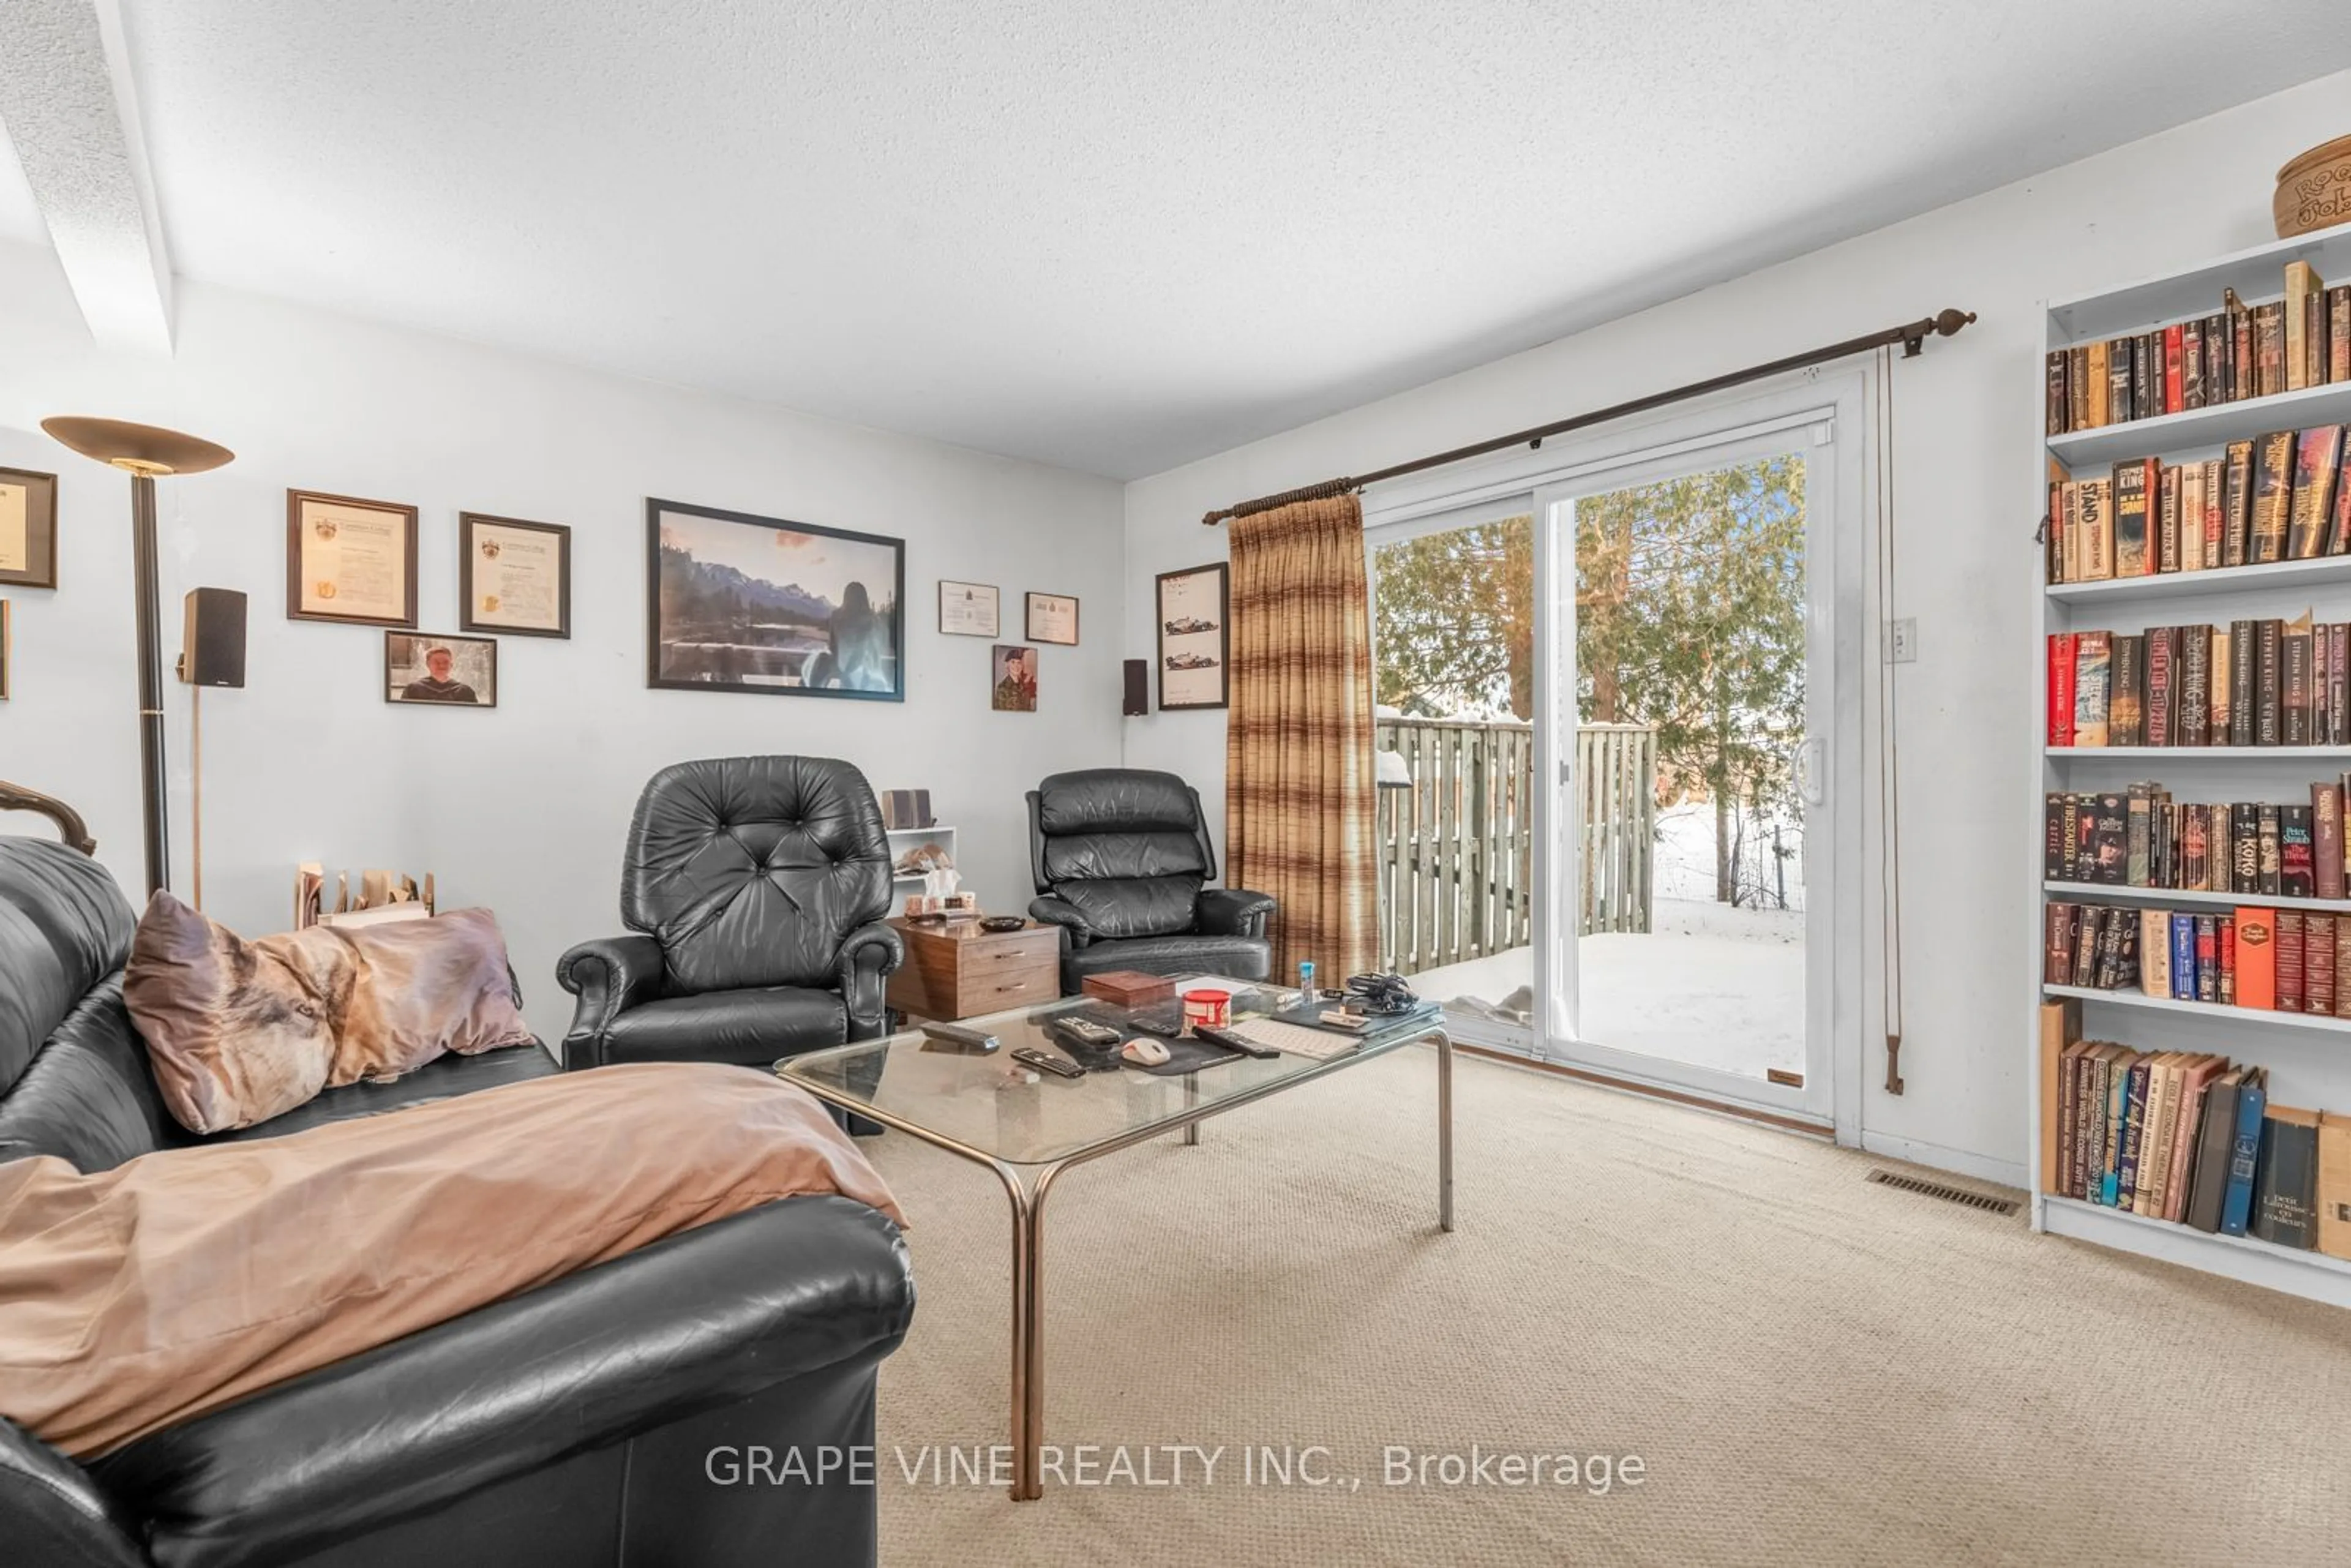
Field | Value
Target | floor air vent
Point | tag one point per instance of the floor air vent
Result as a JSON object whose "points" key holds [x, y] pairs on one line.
{"points": [[1958, 1194]]}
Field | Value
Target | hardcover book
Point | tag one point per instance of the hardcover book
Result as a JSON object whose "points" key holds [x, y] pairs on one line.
{"points": [[2318, 457], [2318, 964], [2269, 355], [2216, 1131], [2060, 419], [2245, 1153], [2133, 485], [2166, 525], [2297, 861], [2301, 287], [2237, 502], [2155, 943], [2295, 699], [2288, 943], [2256, 968], [2333, 1205], [2326, 840], [2195, 686], [2126, 690], [2096, 499], [2273, 458], [2065, 648], [2285, 1190], [2242, 657], [2093, 653], [2269, 682]]}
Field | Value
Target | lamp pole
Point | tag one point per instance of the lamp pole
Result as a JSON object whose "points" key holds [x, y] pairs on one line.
{"points": [[144, 451], [152, 780]]}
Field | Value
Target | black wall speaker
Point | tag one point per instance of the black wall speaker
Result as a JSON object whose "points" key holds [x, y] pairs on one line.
{"points": [[1138, 688], [212, 651]]}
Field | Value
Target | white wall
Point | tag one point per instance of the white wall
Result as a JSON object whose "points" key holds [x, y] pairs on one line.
{"points": [[1965, 453], [523, 809]]}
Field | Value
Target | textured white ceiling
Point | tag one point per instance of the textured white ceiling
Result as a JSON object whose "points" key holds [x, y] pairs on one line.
{"points": [[1112, 235]]}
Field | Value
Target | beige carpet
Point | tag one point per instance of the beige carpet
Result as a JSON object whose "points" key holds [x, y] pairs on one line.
{"points": [[1812, 1368]]}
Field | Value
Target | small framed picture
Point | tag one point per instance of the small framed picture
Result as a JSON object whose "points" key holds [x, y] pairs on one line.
{"points": [[29, 528], [968, 609], [1194, 640], [514, 577], [444, 671], [1015, 679], [349, 560], [1052, 617]]}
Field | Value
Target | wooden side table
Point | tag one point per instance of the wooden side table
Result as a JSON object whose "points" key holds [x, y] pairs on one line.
{"points": [[958, 971]]}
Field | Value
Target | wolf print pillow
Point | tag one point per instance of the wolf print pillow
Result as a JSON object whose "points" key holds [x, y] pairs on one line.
{"points": [[239, 1031]]}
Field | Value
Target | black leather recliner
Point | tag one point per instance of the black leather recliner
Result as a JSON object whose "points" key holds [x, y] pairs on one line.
{"points": [[754, 888], [568, 1426], [1121, 857]]}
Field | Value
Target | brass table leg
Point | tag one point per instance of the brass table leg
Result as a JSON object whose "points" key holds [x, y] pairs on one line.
{"points": [[1191, 1097], [1444, 1131], [1027, 1423]]}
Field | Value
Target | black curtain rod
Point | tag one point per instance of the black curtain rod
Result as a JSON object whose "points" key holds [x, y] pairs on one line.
{"points": [[1912, 337]]}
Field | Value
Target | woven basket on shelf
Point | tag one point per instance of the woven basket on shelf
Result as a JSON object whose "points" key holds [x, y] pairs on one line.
{"points": [[2314, 190]]}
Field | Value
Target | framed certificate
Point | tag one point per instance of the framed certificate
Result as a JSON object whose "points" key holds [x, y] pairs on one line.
{"points": [[514, 577], [29, 528], [1194, 641], [1052, 617], [967, 609], [349, 560]]}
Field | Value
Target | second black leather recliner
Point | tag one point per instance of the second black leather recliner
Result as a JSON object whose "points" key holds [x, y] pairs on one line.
{"points": [[754, 888], [1120, 858]]}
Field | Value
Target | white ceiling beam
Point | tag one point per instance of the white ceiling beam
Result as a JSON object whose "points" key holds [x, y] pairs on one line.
{"points": [[67, 102]]}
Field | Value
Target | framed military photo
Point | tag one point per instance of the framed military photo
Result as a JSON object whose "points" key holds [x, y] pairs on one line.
{"points": [[444, 671], [514, 577], [351, 560], [1015, 679], [29, 528], [744, 604], [1194, 640]]}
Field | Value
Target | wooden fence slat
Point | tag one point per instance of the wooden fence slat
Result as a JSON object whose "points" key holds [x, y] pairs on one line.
{"points": [[1455, 850]]}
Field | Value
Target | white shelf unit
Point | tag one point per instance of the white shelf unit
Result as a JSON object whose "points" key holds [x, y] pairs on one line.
{"points": [[2307, 1058], [905, 839]]}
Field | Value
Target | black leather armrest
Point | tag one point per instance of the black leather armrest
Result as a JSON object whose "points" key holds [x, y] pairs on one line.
{"points": [[686, 1324], [51, 1512], [1060, 912], [1234, 912], [610, 976], [869, 957]]}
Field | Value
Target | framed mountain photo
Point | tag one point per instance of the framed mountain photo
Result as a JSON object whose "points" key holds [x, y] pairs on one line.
{"points": [[736, 603]]}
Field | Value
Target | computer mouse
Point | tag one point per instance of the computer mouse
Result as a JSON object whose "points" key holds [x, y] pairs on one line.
{"points": [[1144, 1052]]}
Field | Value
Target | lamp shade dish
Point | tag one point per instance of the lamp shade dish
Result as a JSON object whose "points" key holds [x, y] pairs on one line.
{"points": [[137, 448]]}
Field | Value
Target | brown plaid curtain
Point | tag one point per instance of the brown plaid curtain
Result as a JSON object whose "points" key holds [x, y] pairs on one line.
{"points": [[1299, 791]]}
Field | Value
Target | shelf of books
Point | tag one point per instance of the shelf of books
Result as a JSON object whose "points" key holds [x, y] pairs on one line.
{"points": [[2191, 988]]}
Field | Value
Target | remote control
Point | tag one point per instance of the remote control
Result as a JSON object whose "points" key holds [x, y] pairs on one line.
{"points": [[1085, 1031], [1233, 1041], [1031, 1056], [955, 1034]]}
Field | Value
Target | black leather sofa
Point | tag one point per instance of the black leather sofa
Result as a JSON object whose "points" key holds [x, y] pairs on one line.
{"points": [[1121, 857], [753, 889], [569, 1425]]}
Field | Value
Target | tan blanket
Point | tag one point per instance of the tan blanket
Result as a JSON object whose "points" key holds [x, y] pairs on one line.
{"points": [[133, 1299]]}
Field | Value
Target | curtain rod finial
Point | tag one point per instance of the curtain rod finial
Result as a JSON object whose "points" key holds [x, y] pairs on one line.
{"points": [[1949, 322]]}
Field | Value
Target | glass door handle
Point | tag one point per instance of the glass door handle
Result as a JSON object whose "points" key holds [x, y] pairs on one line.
{"points": [[1811, 764]]}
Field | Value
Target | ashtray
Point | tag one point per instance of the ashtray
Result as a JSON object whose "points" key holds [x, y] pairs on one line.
{"points": [[1001, 922]]}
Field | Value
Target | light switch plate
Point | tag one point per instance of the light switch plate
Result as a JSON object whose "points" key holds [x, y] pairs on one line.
{"points": [[1902, 641]]}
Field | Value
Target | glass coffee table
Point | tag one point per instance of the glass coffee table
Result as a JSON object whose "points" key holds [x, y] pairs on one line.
{"points": [[1029, 1126]]}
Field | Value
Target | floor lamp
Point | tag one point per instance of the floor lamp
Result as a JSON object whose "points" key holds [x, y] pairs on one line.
{"points": [[143, 452]]}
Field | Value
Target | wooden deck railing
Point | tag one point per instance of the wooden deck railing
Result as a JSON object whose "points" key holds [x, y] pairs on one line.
{"points": [[1456, 849]]}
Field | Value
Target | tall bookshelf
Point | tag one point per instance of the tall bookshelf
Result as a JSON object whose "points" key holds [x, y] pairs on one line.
{"points": [[2308, 1059]]}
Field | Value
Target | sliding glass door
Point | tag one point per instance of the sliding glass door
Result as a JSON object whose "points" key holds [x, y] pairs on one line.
{"points": [[1689, 719], [1609, 697]]}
